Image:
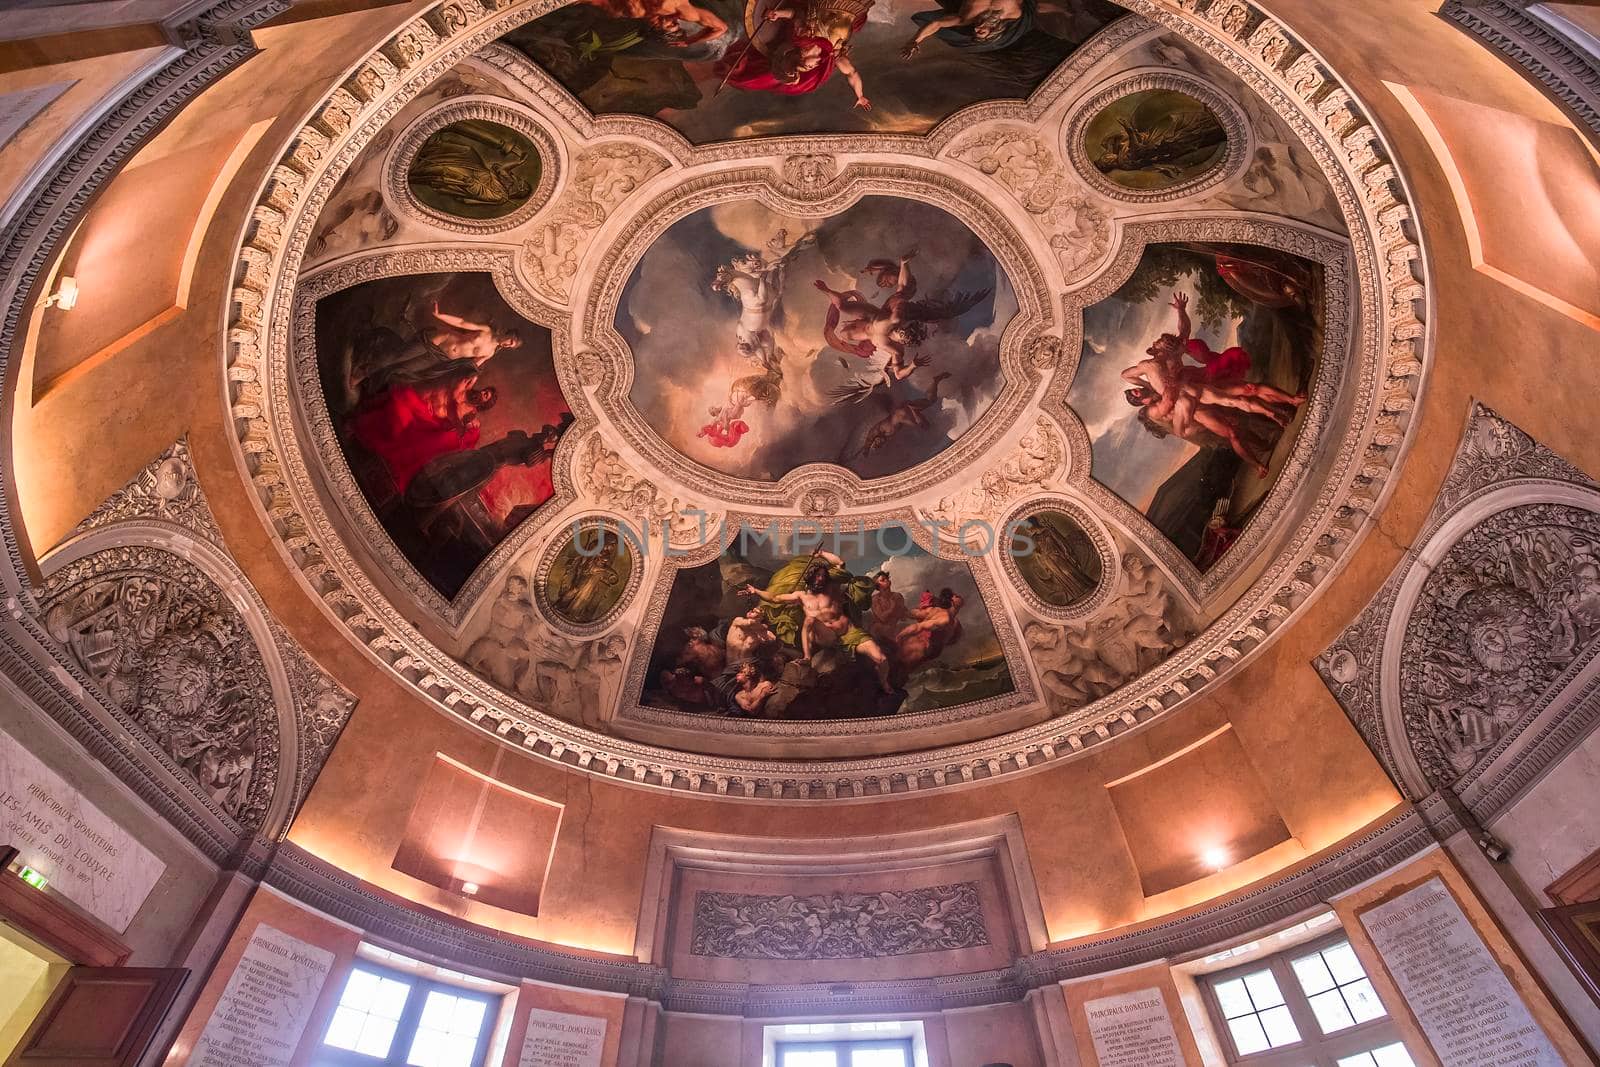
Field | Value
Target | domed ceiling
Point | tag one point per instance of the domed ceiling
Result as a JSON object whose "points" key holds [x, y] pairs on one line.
{"points": [[715, 387]]}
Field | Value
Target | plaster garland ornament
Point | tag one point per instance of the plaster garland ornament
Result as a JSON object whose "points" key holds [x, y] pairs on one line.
{"points": [[1252, 46], [838, 926], [524, 654], [607, 481], [1078, 230], [1039, 457], [603, 176], [167, 491], [1080, 662], [1478, 633], [1512, 609]]}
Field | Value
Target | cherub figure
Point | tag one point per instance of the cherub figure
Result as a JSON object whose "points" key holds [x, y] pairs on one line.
{"points": [[900, 415], [755, 280], [813, 41]]}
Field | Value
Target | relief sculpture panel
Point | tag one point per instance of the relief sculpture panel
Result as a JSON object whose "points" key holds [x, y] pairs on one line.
{"points": [[168, 650], [838, 926]]}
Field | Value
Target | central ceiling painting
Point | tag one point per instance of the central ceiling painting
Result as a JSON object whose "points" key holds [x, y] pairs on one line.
{"points": [[832, 449], [869, 339], [718, 70]]}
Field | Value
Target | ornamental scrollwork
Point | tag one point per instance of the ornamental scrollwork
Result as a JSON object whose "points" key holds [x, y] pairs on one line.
{"points": [[171, 653], [1511, 611]]}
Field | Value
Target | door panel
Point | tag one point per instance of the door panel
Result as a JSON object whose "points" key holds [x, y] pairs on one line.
{"points": [[99, 1017]]}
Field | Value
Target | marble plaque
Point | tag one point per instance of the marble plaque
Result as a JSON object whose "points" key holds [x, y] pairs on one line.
{"points": [[1465, 1003], [1133, 1030], [556, 1039], [87, 857], [266, 1003]]}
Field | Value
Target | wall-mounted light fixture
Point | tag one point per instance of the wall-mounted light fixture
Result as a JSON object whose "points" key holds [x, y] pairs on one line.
{"points": [[1215, 857], [469, 889], [66, 295]]}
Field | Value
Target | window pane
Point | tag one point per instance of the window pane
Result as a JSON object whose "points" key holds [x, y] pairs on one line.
{"points": [[808, 1058], [390, 1001], [1263, 989], [376, 1036], [437, 1011], [1248, 1036], [1313, 975], [425, 1049], [1394, 1055], [468, 1016], [1279, 1026], [359, 991], [878, 1057], [1342, 960], [345, 1029], [1361, 1059], [1232, 998], [1363, 1001], [1332, 1015]]}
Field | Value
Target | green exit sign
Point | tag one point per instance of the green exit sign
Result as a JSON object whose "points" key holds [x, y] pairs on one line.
{"points": [[33, 878]]}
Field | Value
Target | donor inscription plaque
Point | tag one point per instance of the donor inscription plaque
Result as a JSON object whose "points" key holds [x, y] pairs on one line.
{"points": [[1133, 1030], [266, 1003], [1465, 1003], [556, 1039], [88, 858]]}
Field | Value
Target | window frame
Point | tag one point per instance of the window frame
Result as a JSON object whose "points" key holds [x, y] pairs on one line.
{"points": [[843, 1046], [405, 1029], [1323, 1050]]}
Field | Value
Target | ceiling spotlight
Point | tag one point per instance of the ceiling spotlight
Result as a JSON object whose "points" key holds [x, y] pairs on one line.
{"points": [[1215, 858], [469, 889], [66, 295]]}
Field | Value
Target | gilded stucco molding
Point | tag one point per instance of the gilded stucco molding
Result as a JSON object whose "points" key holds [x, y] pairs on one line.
{"points": [[1389, 356]]}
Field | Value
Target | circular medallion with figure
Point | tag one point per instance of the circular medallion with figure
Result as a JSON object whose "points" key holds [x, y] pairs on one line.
{"points": [[475, 169], [1154, 140]]}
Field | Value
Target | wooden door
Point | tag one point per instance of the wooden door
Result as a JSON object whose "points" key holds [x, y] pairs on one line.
{"points": [[99, 1017]]}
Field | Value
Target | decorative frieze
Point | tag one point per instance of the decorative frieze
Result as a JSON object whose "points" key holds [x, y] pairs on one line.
{"points": [[838, 926]]}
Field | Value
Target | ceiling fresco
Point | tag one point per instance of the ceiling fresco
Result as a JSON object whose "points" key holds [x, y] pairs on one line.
{"points": [[656, 425], [763, 343], [447, 410], [732, 69]]}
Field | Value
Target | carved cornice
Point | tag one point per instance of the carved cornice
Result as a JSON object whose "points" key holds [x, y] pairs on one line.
{"points": [[1381, 379], [1557, 62], [1380, 848]]}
